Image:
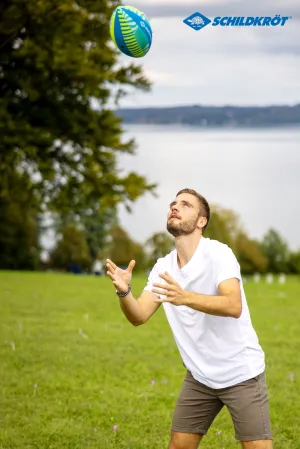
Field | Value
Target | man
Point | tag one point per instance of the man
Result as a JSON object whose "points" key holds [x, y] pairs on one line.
{"points": [[201, 289]]}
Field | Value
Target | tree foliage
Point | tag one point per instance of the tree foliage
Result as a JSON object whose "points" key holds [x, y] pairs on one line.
{"points": [[94, 221], [294, 262], [249, 255], [19, 222], [60, 80], [71, 252], [158, 245], [56, 56], [224, 225], [276, 250], [122, 249]]}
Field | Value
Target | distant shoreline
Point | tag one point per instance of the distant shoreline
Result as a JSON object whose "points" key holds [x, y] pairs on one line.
{"points": [[188, 126], [227, 117]]}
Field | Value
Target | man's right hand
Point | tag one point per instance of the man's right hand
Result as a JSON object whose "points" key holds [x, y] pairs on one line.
{"points": [[120, 278]]}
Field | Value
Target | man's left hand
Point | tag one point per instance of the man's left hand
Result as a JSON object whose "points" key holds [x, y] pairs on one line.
{"points": [[171, 290]]}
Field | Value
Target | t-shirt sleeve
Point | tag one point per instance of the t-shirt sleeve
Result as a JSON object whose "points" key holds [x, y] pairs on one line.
{"points": [[226, 265], [152, 278]]}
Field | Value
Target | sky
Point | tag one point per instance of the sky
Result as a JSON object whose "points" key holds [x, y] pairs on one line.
{"points": [[219, 65]]}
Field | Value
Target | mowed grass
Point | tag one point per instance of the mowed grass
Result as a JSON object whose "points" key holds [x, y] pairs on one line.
{"points": [[72, 367]]}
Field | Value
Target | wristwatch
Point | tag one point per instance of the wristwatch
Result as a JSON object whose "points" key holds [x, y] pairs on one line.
{"points": [[122, 295]]}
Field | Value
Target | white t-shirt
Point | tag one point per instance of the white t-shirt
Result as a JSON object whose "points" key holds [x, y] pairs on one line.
{"points": [[219, 351]]}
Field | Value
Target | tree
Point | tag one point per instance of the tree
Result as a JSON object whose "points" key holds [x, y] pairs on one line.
{"points": [[94, 222], [121, 249], [60, 75], [277, 252], [224, 226], [19, 223], [249, 255], [71, 252], [158, 245], [294, 262]]}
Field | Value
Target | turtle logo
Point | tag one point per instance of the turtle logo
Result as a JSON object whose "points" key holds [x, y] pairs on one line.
{"points": [[197, 21]]}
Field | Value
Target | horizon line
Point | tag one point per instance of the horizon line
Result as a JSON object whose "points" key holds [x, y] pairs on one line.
{"points": [[191, 105]]}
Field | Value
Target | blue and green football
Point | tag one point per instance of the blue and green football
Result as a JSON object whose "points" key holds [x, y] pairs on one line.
{"points": [[131, 31]]}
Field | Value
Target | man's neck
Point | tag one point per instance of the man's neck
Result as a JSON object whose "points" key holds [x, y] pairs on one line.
{"points": [[186, 246]]}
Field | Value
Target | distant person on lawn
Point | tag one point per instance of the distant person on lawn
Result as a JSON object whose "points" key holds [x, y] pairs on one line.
{"points": [[200, 287]]}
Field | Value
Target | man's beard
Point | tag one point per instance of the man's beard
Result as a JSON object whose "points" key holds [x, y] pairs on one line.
{"points": [[182, 228]]}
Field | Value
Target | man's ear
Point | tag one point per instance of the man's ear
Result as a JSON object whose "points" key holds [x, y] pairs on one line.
{"points": [[202, 222]]}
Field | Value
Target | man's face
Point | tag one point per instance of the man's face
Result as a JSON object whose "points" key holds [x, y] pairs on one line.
{"points": [[184, 215]]}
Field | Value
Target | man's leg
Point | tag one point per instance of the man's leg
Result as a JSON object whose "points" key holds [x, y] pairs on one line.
{"points": [[184, 440], [196, 408], [260, 444], [248, 405]]}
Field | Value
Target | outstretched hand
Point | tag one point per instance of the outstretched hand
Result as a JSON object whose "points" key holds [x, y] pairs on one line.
{"points": [[171, 290], [120, 278]]}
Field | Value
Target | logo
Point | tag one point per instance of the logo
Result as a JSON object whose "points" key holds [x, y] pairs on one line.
{"points": [[198, 21]]}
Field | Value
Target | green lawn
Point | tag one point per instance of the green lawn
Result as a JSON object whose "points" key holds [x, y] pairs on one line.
{"points": [[72, 367]]}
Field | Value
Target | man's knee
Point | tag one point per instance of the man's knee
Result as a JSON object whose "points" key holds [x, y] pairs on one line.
{"points": [[180, 440]]}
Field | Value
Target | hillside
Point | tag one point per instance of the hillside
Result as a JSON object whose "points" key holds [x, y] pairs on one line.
{"points": [[209, 116]]}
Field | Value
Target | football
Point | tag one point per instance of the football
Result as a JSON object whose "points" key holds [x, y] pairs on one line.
{"points": [[131, 31]]}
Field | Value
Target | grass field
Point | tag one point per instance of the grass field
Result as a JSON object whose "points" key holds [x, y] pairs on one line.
{"points": [[72, 367]]}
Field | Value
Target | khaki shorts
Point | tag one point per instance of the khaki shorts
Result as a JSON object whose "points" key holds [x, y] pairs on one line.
{"points": [[247, 402]]}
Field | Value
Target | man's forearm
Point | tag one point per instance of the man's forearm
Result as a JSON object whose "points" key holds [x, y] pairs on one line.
{"points": [[132, 309], [225, 306]]}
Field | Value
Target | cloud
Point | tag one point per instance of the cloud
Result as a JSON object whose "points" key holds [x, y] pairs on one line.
{"points": [[179, 8], [217, 65], [221, 39], [163, 78]]}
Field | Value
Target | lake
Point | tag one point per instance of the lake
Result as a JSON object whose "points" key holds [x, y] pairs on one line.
{"points": [[255, 172]]}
